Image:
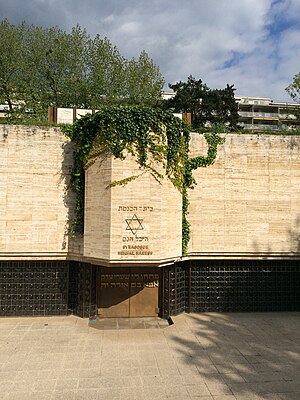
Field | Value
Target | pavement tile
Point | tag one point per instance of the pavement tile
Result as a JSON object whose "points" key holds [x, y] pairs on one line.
{"points": [[218, 388], [7, 386], [263, 377], [90, 394], [197, 390], [247, 396], [232, 378], [188, 370], [264, 367], [243, 389], [165, 371], [46, 395], [202, 398], [192, 379], [289, 396], [90, 383], [54, 356], [128, 394], [63, 383], [152, 380], [149, 370], [5, 376], [84, 373], [131, 381], [111, 371], [44, 385], [155, 391], [63, 395], [17, 395], [224, 397]]}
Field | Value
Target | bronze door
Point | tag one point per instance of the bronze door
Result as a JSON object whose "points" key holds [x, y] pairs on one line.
{"points": [[128, 292]]}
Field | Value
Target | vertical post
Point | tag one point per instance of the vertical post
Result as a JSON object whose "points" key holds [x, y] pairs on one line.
{"points": [[52, 115], [161, 303], [175, 288], [91, 289], [68, 285], [83, 290], [169, 291], [188, 117], [74, 114], [189, 283]]}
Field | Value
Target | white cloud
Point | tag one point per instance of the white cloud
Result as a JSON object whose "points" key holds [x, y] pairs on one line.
{"points": [[251, 43]]}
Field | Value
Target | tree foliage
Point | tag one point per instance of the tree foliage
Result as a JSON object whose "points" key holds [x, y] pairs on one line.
{"points": [[11, 64], [158, 141], [294, 88], [207, 106], [294, 91], [143, 81], [40, 67], [153, 137]]}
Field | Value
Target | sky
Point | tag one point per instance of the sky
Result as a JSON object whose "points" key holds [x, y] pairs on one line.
{"points": [[252, 44]]}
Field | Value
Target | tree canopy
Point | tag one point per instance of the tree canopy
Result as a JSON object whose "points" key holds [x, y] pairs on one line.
{"points": [[294, 88], [40, 67], [207, 106]]}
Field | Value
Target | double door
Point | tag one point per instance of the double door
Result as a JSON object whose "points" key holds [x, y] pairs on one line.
{"points": [[128, 292]]}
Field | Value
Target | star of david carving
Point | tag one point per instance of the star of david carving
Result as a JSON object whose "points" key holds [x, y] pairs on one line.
{"points": [[134, 224]]}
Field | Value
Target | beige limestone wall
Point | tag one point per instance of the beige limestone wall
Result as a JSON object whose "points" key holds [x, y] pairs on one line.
{"points": [[97, 210], [139, 222], [245, 205], [248, 203], [35, 163]]}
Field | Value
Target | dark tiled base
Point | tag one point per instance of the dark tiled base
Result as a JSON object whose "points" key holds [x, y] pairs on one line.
{"points": [[33, 288], [61, 287], [82, 289], [229, 286]]}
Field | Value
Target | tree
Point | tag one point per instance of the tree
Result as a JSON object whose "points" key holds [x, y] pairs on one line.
{"points": [[55, 73], [11, 64], [294, 88], [40, 67], [207, 106], [294, 91], [106, 72], [144, 81]]}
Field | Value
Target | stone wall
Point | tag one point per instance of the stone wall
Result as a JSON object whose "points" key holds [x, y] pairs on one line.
{"points": [[35, 164], [248, 203], [139, 222]]}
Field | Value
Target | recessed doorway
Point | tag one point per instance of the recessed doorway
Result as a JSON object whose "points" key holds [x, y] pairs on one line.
{"points": [[128, 292]]}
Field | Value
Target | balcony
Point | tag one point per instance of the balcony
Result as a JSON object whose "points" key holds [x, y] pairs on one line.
{"points": [[261, 127], [258, 114]]}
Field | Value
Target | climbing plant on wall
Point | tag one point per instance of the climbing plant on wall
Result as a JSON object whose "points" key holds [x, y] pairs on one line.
{"points": [[158, 141], [213, 140]]}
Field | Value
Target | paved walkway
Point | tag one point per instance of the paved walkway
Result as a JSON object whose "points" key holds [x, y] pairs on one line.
{"points": [[128, 323], [206, 357]]}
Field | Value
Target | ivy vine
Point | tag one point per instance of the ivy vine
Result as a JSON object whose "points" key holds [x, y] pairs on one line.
{"points": [[213, 140], [154, 137]]}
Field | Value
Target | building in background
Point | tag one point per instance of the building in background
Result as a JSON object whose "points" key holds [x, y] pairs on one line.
{"points": [[262, 113], [256, 114]]}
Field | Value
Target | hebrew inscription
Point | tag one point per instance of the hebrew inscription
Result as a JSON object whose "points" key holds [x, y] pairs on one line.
{"points": [[129, 280], [135, 239]]}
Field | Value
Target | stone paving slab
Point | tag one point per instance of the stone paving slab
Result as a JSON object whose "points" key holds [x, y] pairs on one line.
{"points": [[207, 356], [128, 323]]}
